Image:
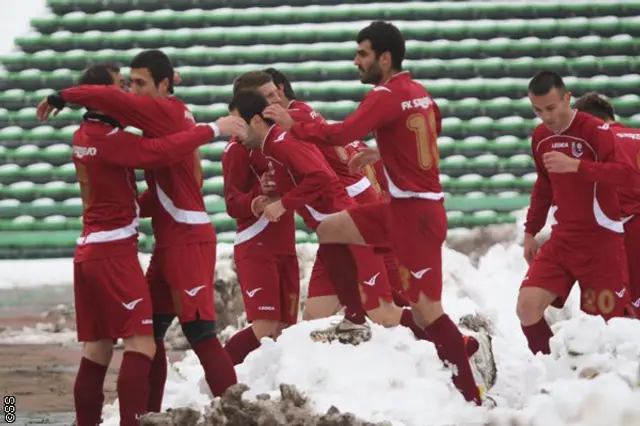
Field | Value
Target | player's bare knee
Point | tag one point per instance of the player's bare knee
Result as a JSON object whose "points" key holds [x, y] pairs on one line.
{"points": [[339, 229], [532, 302], [320, 307], [199, 330], [387, 314], [143, 344], [266, 328], [99, 351], [427, 310]]}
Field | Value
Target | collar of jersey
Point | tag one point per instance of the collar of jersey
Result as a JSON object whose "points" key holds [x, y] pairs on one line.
{"points": [[98, 116]]}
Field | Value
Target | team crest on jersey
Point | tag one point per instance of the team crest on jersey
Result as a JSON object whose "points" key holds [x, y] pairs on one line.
{"points": [[577, 149]]}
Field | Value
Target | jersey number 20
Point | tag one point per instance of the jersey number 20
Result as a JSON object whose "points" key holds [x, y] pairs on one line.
{"points": [[424, 129]]}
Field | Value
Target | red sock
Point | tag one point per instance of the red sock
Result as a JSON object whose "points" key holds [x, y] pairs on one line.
{"points": [[157, 378], [218, 368], [242, 344], [87, 392], [538, 336], [407, 320], [343, 272], [133, 387], [449, 344]]}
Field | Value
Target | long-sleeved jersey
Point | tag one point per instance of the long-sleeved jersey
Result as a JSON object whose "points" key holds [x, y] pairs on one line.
{"points": [[174, 198], [104, 157], [628, 151], [406, 123], [586, 201], [242, 170]]}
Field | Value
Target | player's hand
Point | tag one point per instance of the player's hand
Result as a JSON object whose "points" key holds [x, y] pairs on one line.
{"points": [[268, 184], [258, 204], [273, 211], [530, 247], [277, 113], [363, 158], [232, 126], [44, 110], [557, 162]]}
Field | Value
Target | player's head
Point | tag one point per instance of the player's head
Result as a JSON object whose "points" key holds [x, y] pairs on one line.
{"points": [[151, 74], [597, 105], [249, 104], [260, 81], [550, 100], [380, 51], [103, 75], [285, 91]]}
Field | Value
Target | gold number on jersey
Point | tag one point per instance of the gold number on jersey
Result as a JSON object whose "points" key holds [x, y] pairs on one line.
{"points": [[426, 138], [197, 167], [83, 180], [342, 154], [370, 173], [606, 302]]}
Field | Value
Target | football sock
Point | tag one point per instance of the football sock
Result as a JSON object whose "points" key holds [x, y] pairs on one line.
{"points": [[133, 387], [450, 346], [157, 378], [538, 336], [242, 344], [218, 368], [87, 392]]}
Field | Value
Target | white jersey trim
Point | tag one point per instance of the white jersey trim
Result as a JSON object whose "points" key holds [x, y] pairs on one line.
{"points": [[396, 192], [358, 188], [251, 231], [113, 235], [190, 217]]}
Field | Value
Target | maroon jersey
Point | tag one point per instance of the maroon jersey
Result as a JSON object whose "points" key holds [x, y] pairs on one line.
{"points": [[242, 170], [174, 198], [104, 157], [304, 178], [628, 151], [336, 156], [585, 201], [406, 123]]}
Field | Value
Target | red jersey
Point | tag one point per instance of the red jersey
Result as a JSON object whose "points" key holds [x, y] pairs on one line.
{"points": [[585, 201], [336, 156], [104, 157], [174, 198], [242, 170], [628, 151], [406, 123], [374, 172], [304, 178]]}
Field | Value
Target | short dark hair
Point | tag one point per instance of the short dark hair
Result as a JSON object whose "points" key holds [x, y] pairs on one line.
{"points": [[385, 37], [100, 75], [158, 64], [249, 103], [593, 103], [251, 80], [544, 81], [278, 79]]}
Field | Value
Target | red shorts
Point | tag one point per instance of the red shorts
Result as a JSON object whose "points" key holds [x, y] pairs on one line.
{"points": [[181, 281], [270, 287], [416, 230], [112, 299], [600, 269], [632, 246], [369, 195]]}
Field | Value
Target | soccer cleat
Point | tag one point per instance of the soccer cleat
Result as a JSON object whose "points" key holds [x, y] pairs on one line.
{"points": [[471, 345], [482, 362], [344, 332]]}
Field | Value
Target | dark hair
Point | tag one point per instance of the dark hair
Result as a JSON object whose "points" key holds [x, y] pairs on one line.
{"points": [[544, 81], [595, 104], [278, 79], [249, 103], [385, 37], [100, 75], [158, 64], [251, 80]]}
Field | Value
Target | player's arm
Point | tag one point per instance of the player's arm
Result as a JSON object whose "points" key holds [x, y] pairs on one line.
{"points": [[376, 109], [145, 202], [541, 199], [239, 190], [608, 170], [135, 151]]}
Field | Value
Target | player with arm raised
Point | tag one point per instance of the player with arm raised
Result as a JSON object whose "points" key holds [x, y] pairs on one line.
{"points": [[406, 124], [111, 294], [627, 151], [575, 156], [182, 266]]}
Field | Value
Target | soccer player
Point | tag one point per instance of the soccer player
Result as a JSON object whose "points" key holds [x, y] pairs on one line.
{"points": [[406, 122], [575, 158], [264, 253], [111, 294], [627, 151], [181, 271]]}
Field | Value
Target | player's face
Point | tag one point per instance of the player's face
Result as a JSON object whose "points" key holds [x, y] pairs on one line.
{"points": [[142, 83], [367, 63], [553, 108], [270, 93], [283, 98]]}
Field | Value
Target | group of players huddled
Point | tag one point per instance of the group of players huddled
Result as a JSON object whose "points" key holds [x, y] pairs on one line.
{"points": [[378, 214]]}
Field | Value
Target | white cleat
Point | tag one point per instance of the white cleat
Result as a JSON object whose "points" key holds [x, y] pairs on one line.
{"points": [[482, 362], [345, 332]]}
